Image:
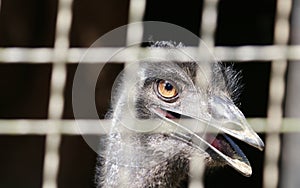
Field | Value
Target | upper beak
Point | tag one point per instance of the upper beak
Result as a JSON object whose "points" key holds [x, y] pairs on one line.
{"points": [[233, 122], [221, 116]]}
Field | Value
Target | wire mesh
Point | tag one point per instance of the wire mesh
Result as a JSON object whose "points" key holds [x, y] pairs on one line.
{"points": [[61, 55]]}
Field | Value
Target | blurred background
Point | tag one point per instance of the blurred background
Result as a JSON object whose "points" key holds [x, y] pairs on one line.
{"points": [[24, 88]]}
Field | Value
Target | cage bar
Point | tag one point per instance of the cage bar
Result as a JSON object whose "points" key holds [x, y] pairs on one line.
{"points": [[56, 100], [238, 54], [207, 33], [276, 97], [290, 165]]}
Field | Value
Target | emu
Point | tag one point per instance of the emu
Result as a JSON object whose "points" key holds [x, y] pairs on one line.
{"points": [[170, 92]]}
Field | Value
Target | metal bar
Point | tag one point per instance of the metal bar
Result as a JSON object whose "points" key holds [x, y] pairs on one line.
{"points": [[223, 53], [276, 97], [136, 13], [290, 164], [207, 32], [73, 127], [209, 22], [56, 101], [134, 37]]}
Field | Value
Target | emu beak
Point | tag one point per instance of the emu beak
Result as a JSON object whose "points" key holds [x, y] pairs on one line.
{"points": [[201, 132]]}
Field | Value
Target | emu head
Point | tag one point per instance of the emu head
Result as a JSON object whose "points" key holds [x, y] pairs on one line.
{"points": [[196, 112]]}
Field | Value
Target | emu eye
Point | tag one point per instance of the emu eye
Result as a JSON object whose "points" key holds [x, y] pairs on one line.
{"points": [[166, 89]]}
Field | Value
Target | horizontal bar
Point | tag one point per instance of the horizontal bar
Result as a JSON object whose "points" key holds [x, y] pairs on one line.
{"points": [[77, 127], [105, 54]]}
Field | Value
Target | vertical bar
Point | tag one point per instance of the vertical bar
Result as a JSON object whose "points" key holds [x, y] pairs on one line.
{"points": [[276, 96], [209, 23], [136, 13], [56, 101], [291, 149], [134, 37], [197, 168]]}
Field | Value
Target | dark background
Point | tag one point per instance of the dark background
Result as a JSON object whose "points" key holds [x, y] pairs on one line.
{"points": [[24, 88]]}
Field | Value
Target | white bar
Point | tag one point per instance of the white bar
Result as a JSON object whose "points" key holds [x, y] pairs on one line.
{"points": [[57, 85], [208, 27], [82, 127], [209, 22], [136, 13], [100, 55], [134, 37], [290, 163], [276, 97]]}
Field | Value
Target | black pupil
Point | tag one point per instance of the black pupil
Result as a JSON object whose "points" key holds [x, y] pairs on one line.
{"points": [[168, 86]]}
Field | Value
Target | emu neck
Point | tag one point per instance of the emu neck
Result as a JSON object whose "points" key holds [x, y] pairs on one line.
{"points": [[144, 161]]}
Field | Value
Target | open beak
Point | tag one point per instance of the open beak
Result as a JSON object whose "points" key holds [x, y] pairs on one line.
{"points": [[213, 130]]}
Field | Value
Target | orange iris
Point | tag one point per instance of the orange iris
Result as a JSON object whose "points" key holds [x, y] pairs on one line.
{"points": [[166, 89]]}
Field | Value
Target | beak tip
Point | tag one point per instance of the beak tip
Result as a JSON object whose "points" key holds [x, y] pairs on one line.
{"points": [[261, 147], [242, 167], [260, 144], [257, 143]]}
